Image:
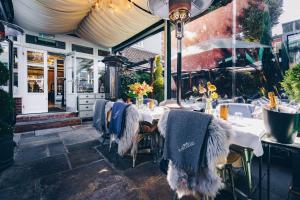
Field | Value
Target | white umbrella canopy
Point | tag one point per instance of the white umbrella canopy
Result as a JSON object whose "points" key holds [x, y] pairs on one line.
{"points": [[104, 27]]}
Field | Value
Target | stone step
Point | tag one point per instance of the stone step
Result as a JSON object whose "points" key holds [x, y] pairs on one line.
{"points": [[45, 116], [46, 124]]}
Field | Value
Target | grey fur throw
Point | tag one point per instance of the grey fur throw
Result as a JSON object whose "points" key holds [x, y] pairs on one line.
{"points": [[207, 182]]}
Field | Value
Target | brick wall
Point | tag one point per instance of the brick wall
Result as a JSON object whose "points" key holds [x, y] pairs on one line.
{"points": [[18, 105]]}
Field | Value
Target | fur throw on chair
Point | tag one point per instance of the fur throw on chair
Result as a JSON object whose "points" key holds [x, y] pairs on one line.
{"points": [[108, 107], [129, 138], [208, 182]]}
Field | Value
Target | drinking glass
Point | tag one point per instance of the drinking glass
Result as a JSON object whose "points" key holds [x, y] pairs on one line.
{"points": [[224, 111]]}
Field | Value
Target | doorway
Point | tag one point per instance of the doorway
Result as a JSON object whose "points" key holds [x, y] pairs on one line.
{"points": [[56, 83]]}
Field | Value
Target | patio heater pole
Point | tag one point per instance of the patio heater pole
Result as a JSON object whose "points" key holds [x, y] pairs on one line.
{"points": [[234, 48], [179, 35]]}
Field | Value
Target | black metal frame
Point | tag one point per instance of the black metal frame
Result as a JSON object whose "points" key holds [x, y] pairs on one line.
{"points": [[292, 148], [151, 30]]}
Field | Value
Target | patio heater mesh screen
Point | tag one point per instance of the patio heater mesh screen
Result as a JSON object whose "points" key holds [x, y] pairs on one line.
{"points": [[113, 64]]}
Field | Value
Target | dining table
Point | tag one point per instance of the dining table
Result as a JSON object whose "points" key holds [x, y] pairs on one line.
{"points": [[246, 133]]}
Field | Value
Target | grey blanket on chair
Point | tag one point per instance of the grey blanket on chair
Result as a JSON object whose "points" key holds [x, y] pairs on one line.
{"points": [[99, 115], [186, 139]]}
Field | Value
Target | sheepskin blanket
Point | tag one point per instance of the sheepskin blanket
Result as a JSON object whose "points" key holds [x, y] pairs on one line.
{"points": [[129, 138], [108, 107], [207, 182]]}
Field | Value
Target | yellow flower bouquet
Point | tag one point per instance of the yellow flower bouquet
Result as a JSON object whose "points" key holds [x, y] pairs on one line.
{"points": [[138, 91], [209, 93]]}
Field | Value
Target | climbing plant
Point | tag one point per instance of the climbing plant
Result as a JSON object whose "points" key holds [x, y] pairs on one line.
{"points": [[158, 83]]}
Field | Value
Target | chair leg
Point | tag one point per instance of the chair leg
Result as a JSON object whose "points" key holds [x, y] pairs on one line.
{"points": [[247, 164], [110, 141], [133, 160], [231, 179], [174, 196]]}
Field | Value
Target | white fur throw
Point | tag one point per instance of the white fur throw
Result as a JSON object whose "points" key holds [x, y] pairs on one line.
{"points": [[129, 138], [208, 181], [108, 107]]}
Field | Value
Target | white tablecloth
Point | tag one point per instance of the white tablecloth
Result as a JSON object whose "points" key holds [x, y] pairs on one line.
{"points": [[150, 115], [247, 133]]}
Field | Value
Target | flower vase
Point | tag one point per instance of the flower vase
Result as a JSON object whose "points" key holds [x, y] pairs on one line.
{"points": [[208, 106], [139, 101]]}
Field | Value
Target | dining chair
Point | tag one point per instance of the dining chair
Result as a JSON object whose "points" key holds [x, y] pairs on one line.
{"points": [[217, 156], [137, 137], [246, 154]]}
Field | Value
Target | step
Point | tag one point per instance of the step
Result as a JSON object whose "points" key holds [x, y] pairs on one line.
{"points": [[45, 116], [46, 124]]}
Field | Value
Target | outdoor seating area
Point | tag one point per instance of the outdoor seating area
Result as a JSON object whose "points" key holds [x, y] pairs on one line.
{"points": [[149, 99]]}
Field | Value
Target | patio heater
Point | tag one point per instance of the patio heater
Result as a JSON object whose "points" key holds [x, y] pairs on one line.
{"points": [[178, 12], [113, 64]]}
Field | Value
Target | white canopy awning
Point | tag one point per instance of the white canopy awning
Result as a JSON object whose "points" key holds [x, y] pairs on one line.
{"points": [[106, 28]]}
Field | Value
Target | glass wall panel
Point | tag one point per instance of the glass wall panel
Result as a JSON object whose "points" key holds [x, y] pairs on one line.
{"points": [[85, 75]]}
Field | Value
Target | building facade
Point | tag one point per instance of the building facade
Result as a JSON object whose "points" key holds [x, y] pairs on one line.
{"points": [[51, 71]]}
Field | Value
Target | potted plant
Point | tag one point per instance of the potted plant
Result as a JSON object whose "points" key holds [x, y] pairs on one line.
{"points": [[6, 122], [282, 122]]}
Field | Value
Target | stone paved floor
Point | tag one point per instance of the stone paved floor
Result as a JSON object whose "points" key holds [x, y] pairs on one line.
{"points": [[64, 164]]}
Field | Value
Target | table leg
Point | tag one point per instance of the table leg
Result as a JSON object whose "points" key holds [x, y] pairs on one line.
{"points": [[260, 178], [268, 171]]}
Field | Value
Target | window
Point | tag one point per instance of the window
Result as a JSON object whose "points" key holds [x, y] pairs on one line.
{"points": [[102, 52], [85, 75], [35, 77], [45, 42], [82, 49], [287, 27], [35, 72], [297, 25], [36, 58]]}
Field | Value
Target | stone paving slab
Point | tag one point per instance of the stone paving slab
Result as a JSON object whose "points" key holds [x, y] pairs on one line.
{"points": [[28, 191], [53, 130], [24, 173], [83, 156], [84, 145], [95, 181], [32, 141], [56, 148], [76, 138], [29, 154]]}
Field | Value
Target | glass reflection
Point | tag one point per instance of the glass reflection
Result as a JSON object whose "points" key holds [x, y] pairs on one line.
{"points": [[85, 75]]}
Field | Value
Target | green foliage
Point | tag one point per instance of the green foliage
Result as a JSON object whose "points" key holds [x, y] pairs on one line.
{"points": [[144, 76], [127, 78], [255, 24], [251, 22], [158, 83], [6, 105], [291, 82], [4, 74]]}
